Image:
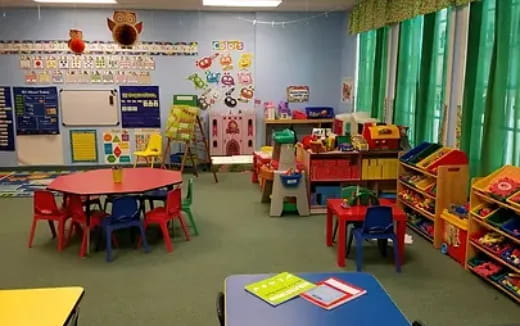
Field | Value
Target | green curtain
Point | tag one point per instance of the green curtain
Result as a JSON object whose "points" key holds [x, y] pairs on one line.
{"points": [[491, 113], [380, 74], [408, 72], [433, 74], [373, 14], [365, 82]]}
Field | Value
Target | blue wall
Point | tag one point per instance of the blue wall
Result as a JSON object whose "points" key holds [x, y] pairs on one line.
{"points": [[316, 52]]}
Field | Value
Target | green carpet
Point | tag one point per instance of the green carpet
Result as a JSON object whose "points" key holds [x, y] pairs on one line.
{"points": [[237, 236]]}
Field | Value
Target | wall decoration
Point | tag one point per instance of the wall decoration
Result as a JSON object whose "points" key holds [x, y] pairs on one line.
{"points": [[213, 77], [140, 107], [246, 94], [6, 120], [346, 89], [25, 62], [76, 43], [125, 28], [245, 78], [206, 62], [245, 61], [31, 77], [226, 62], [198, 82], [83, 145], [99, 47], [229, 100], [116, 146], [142, 136], [227, 79], [36, 110], [227, 46], [181, 121], [51, 62], [298, 94], [89, 107], [50, 150]]}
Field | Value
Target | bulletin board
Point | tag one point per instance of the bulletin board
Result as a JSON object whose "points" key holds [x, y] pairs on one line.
{"points": [[36, 110], [89, 107], [83, 145], [140, 107], [6, 120], [40, 150]]}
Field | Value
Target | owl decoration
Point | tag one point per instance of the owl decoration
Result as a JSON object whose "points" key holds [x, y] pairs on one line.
{"points": [[76, 43], [125, 28]]}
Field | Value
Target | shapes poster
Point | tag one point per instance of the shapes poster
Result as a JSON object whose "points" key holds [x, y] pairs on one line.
{"points": [[36, 110], [116, 146], [6, 120], [142, 136], [83, 145], [140, 107]]}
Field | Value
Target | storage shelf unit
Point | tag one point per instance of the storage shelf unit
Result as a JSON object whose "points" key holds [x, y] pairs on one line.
{"points": [[450, 181], [478, 226], [381, 177]]}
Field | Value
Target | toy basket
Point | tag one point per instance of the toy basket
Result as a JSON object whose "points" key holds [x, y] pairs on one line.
{"points": [[298, 115], [509, 171], [413, 152], [514, 200], [512, 227], [498, 218], [291, 181], [319, 112]]}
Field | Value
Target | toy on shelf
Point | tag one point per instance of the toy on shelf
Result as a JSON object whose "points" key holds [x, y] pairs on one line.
{"points": [[269, 111], [232, 131], [511, 282], [351, 123], [424, 225], [418, 201], [284, 113], [286, 183], [298, 115], [503, 187], [359, 143], [512, 227], [459, 210], [512, 256], [381, 136], [488, 269], [515, 199], [484, 211], [493, 242], [319, 112]]}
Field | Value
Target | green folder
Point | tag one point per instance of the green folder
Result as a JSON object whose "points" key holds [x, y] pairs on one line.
{"points": [[279, 288]]}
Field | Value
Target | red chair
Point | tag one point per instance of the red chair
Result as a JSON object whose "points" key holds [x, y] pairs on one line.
{"points": [[79, 220], [45, 208], [162, 215]]}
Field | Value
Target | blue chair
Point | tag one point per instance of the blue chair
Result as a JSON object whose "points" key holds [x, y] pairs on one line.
{"points": [[125, 214], [378, 225]]}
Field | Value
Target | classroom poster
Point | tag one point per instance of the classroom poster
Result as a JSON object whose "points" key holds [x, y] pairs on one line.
{"points": [[140, 106], [116, 146], [83, 145], [142, 136], [347, 86], [298, 94], [6, 120], [36, 110]]}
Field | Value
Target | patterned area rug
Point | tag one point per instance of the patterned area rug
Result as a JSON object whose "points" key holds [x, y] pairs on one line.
{"points": [[24, 183]]}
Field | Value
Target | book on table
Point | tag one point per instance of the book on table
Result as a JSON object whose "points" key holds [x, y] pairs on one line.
{"points": [[332, 293], [279, 288]]}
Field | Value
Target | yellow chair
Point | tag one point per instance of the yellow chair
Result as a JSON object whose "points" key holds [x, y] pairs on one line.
{"points": [[153, 150]]}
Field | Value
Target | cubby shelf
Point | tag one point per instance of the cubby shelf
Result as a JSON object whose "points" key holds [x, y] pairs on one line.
{"points": [[477, 225], [451, 189]]}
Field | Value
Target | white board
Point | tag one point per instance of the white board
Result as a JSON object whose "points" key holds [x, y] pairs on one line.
{"points": [[89, 107], [39, 150]]}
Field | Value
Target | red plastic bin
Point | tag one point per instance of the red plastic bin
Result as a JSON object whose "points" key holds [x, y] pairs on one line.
{"points": [[454, 236]]}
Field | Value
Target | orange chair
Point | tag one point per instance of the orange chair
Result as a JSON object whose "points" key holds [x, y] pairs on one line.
{"points": [[162, 215], [45, 208], [79, 220]]}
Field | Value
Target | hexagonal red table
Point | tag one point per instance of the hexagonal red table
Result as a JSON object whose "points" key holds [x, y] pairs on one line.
{"points": [[100, 182]]}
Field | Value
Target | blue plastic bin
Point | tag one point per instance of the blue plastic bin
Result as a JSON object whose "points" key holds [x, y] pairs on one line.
{"points": [[291, 181], [319, 112], [512, 227]]}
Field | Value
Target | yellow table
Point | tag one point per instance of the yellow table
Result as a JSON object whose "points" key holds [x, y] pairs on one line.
{"points": [[42, 307]]}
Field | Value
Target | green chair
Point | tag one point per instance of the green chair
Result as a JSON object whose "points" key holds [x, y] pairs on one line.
{"points": [[186, 206]]}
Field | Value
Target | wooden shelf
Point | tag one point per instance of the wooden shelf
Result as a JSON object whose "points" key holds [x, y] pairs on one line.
{"points": [[424, 213], [420, 232], [422, 192], [494, 257], [411, 167], [495, 284], [490, 199], [497, 230], [297, 121]]}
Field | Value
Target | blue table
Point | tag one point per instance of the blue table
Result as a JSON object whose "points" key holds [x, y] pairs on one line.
{"points": [[372, 309]]}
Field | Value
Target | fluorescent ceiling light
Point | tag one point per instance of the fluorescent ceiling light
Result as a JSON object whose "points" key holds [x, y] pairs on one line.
{"points": [[78, 1], [241, 3]]}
